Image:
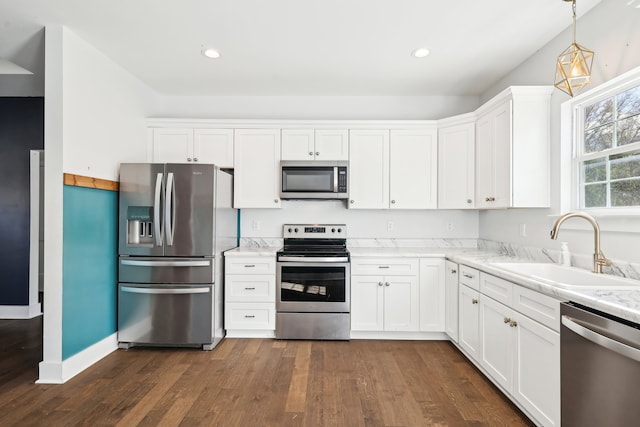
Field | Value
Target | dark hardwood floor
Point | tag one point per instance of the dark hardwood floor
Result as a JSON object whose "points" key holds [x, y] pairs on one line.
{"points": [[253, 382]]}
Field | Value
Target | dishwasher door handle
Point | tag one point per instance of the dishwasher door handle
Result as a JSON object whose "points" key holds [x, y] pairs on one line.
{"points": [[601, 340]]}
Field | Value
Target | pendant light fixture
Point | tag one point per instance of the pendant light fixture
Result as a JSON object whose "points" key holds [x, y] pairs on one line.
{"points": [[573, 69]]}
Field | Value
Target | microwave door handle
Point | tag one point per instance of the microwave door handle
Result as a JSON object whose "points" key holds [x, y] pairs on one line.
{"points": [[157, 206], [169, 208], [335, 179]]}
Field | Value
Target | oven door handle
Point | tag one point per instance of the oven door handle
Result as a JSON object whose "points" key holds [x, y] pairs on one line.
{"points": [[622, 349], [311, 260]]}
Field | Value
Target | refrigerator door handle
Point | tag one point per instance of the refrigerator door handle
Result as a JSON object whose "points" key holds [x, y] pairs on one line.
{"points": [[138, 263], [170, 291], [169, 208], [157, 205]]}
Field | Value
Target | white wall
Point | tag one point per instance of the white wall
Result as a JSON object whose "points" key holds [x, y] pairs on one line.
{"points": [[105, 111], [314, 107], [267, 223], [612, 30]]}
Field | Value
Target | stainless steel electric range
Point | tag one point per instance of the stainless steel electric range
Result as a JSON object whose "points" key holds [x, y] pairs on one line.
{"points": [[313, 283]]}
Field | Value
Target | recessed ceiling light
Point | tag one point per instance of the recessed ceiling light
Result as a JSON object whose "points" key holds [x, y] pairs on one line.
{"points": [[211, 53], [420, 52]]}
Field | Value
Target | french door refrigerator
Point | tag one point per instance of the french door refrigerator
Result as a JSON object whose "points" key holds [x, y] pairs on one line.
{"points": [[175, 220]]}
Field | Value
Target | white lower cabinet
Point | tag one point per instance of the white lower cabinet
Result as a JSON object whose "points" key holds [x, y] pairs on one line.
{"points": [[250, 301], [520, 353], [432, 294]]}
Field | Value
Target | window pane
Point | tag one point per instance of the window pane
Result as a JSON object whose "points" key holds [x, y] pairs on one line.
{"points": [[629, 130], [598, 139], [625, 165], [595, 170], [595, 195], [625, 193], [628, 102], [598, 113]]}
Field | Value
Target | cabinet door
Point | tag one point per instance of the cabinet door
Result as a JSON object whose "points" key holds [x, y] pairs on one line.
{"points": [[468, 315], [367, 303], [537, 370], [432, 294], [413, 169], [332, 145], [172, 145], [451, 298], [456, 167], [369, 169], [497, 337], [213, 146], [502, 155], [401, 303], [257, 168], [484, 161], [298, 144]]}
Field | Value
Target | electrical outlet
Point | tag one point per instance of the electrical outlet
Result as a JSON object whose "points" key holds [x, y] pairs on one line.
{"points": [[390, 225], [449, 226], [523, 230]]}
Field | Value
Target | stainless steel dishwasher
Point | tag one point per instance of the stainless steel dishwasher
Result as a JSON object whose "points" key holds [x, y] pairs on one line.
{"points": [[600, 368]]}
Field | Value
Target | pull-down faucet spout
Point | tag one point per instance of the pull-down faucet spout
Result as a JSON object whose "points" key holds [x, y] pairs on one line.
{"points": [[598, 257]]}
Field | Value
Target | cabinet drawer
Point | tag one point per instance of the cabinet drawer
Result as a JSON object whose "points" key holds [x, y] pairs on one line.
{"points": [[245, 265], [385, 266], [250, 288], [250, 316], [470, 277], [539, 307], [496, 288]]}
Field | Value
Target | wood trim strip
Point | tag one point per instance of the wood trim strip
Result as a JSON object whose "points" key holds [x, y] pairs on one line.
{"points": [[89, 182]]}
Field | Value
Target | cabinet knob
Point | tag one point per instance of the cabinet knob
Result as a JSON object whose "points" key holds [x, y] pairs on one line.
{"points": [[454, 271], [507, 320], [276, 200], [352, 201], [386, 283], [513, 324], [486, 199], [380, 283], [311, 153], [188, 159], [195, 159], [317, 153], [469, 201], [393, 202], [474, 301]]}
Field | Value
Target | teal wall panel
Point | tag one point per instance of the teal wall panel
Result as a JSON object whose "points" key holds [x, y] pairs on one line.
{"points": [[90, 266]]}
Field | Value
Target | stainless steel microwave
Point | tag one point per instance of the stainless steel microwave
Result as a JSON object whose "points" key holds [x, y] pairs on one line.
{"points": [[314, 180]]}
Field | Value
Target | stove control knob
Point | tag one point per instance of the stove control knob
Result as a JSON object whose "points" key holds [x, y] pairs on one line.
{"points": [[289, 230], [295, 230], [333, 230], [339, 230]]}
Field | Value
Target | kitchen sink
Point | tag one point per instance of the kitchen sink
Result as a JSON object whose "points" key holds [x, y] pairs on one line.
{"points": [[566, 277]]}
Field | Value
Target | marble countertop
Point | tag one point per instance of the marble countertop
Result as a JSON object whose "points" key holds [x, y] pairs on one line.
{"points": [[624, 303]]}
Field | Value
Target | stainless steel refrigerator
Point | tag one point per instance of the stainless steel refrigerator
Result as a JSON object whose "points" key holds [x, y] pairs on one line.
{"points": [[175, 220]]}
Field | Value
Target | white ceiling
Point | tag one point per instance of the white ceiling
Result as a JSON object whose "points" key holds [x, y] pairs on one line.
{"points": [[300, 47]]}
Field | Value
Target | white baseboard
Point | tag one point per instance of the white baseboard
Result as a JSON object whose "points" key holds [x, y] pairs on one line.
{"points": [[61, 372], [251, 333], [387, 335], [20, 311]]}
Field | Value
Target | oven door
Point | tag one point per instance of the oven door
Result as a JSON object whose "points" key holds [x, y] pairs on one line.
{"points": [[319, 287]]}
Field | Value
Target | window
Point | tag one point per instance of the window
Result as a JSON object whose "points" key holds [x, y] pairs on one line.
{"points": [[607, 153]]}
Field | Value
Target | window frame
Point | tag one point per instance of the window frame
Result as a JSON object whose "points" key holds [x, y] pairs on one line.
{"points": [[572, 137]]}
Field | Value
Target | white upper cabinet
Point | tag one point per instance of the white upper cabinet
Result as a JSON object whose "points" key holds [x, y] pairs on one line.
{"points": [[512, 149], [456, 165], [257, 168], [186, 145], [413, 166], [394, 169], [369, 169], [307, 144]]}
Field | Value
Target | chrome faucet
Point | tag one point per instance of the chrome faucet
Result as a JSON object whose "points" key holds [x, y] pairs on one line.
{"points": [[598, 257]]}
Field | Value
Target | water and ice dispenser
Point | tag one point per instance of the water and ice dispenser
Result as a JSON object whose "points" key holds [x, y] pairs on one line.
{"points": [[140, 225]]}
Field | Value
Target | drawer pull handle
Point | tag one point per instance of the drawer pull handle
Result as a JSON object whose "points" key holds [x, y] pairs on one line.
{"points": [[249, 316], [474, 301], [383, 266], [249, 289], [468, 276], [249, 265]]}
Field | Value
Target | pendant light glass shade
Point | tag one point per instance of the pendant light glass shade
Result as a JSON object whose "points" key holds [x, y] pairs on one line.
{"points": [[573, 68]]}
